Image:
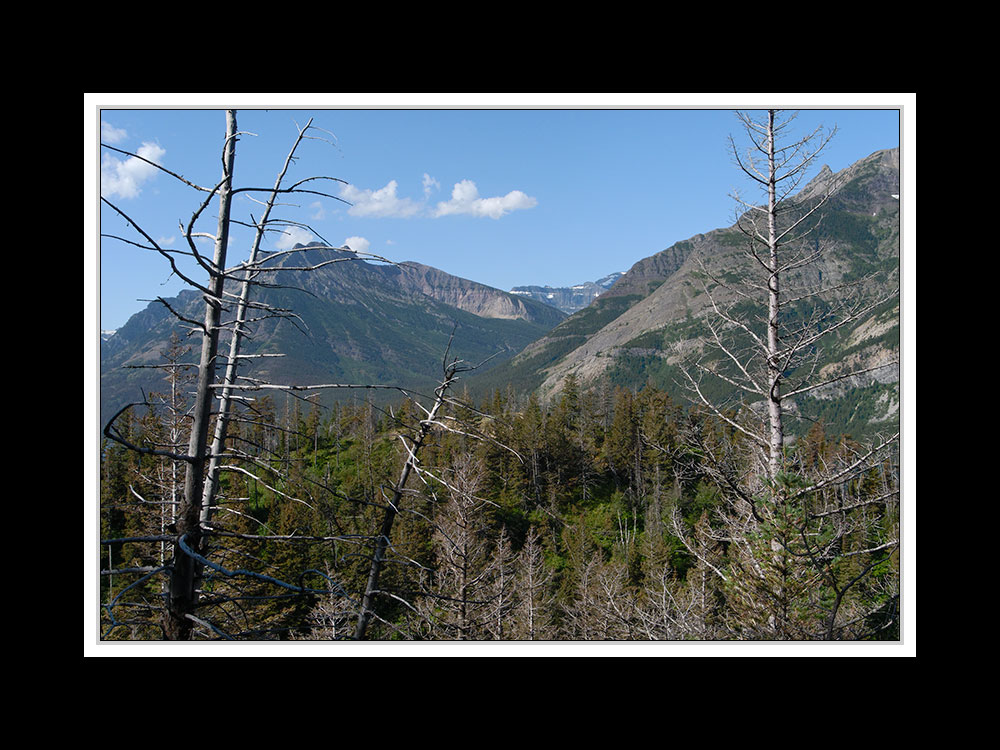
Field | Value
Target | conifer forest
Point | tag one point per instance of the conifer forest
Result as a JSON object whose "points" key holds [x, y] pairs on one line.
{"points": [[235, 509]]}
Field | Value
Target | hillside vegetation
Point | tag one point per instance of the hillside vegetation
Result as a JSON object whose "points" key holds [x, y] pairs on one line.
{"points": [[380, 451], [594, 518], [655, 318]]}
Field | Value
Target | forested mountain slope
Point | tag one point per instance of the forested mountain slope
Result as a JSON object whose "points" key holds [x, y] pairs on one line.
{"points": [[577, 501], [354, 322], [654, 318]]}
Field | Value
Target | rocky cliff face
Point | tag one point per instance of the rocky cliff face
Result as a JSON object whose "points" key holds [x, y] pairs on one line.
{"points": [[569, 299], [656, 315], [408, 279], [664, 288], [470, 296], [355, 322]]}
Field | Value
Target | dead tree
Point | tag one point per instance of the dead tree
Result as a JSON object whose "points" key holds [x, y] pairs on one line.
{"points": [[784, 537], [534, 606], [206, 443], [434, 419], [770, 358]]}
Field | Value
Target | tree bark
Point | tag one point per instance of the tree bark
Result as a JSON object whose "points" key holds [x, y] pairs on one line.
{"points": [[774, 365], [211, 484], [182, 594], [382, 541]]}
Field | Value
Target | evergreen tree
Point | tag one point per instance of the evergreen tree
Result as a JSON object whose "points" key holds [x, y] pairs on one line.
{"points": [[468, 567], [534, 615]]}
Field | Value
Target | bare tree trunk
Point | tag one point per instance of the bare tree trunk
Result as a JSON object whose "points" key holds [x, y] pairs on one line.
{"points": [[192, 522], [382, 541], [793, 554], [225, 396], [183, 593], [533, 613], [774, 364]]}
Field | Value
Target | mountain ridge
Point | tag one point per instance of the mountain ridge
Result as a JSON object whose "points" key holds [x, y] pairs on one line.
{"points": [[354, 322], [652, 319], [380, 323], [572, 298]]}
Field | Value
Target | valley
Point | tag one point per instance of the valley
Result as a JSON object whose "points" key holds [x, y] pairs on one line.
{"points": [[319, 444]]}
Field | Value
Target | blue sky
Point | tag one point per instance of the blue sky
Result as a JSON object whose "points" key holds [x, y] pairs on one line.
{"points": [[567, 187], [504, 196]]}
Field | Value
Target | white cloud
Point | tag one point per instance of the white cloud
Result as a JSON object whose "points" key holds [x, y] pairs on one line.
{"points": [[292, 236], [465, 200], [111, 134], [381, 203], [430, 184], [124, 178], [318, 210], [358, 244]]}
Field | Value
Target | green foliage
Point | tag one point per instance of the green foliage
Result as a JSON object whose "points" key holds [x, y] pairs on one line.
{"points": [[601, 474], [596, 315]]}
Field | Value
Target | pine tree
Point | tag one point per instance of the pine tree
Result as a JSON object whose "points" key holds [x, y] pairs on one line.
{"points": [[534, 615], [467, 567]]}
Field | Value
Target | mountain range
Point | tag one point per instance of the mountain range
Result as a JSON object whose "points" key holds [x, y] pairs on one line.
{"points": [[355, 322], [569, 299], [654, 317], [362, 322]]}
